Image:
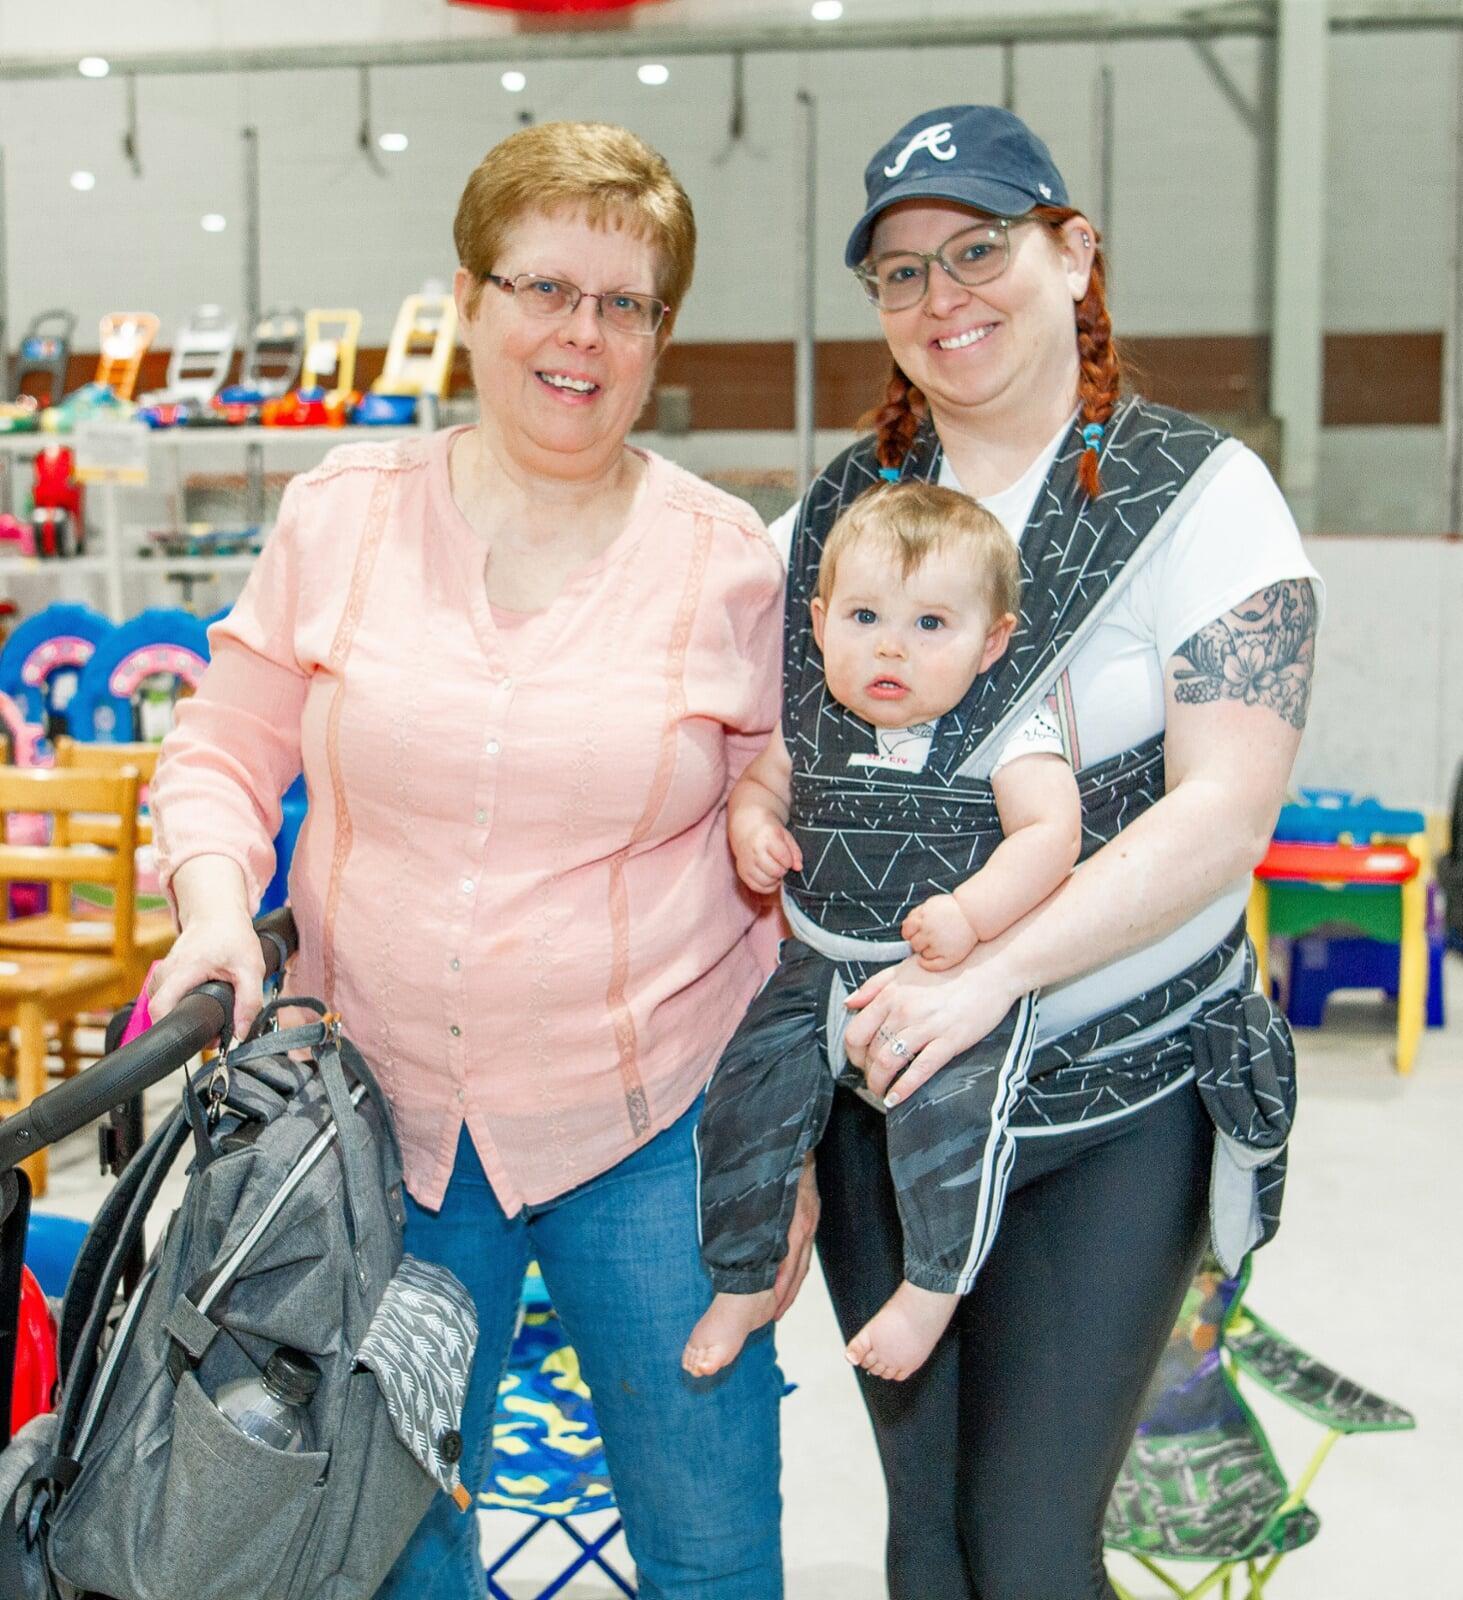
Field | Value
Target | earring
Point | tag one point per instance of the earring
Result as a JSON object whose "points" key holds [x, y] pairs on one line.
{"points": [[1086, 240]]}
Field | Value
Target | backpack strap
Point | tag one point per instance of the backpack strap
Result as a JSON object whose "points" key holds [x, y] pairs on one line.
{"points": [[84, 1332], [117, 1225]]}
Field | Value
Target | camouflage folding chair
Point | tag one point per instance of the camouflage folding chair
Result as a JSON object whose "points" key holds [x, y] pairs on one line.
{"points": [[548, 1459], [1201, 1483]]}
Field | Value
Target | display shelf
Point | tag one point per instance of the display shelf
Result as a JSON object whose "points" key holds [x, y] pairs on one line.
{"points": [[117, 544], [29, 443], [42, 567], [204, 566]]}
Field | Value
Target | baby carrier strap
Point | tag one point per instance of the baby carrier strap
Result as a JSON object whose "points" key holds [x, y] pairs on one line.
{"points": [[1077, 556], [1238, 1047]]}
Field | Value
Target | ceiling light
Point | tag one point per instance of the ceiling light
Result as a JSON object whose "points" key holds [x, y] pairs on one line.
{"points": [[514, 82], [653, 73], [83, 181], [827, 10], [93, 66], [395, 143], [214, 223]]}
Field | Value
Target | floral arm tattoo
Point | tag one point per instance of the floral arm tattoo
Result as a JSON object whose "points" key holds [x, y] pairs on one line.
{"points": [[1262, 652]]}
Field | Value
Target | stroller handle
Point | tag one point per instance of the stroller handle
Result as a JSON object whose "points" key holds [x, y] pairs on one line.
{"points": [[194, 1023]]}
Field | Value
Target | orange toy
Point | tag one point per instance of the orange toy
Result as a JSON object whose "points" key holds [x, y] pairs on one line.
{"points": [[126, 336]]}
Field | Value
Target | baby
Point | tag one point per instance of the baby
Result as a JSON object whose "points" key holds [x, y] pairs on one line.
{"points": [[918, 589]]}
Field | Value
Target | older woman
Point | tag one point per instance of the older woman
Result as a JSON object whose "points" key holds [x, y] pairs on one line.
{"points": [[521, 665], [1168, 616]]}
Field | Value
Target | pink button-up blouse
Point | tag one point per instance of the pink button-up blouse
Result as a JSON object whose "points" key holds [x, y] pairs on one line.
{"points": [[514, 880]]}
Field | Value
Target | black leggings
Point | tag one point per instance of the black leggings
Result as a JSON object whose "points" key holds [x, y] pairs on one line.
{"points": [[1001, 1452]]}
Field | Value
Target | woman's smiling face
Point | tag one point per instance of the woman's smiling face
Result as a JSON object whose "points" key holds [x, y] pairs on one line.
{"points": [[566, 386], [1007, 346]]}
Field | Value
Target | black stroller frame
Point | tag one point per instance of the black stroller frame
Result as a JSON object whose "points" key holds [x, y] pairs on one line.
{"points": [[111, 1087]]}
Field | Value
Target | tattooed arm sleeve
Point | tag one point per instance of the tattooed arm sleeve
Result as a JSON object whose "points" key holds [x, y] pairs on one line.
{"points": [[1261, 653]]}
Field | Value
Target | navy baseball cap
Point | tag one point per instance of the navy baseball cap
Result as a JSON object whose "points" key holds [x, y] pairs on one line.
{"points": [[979, 156]]}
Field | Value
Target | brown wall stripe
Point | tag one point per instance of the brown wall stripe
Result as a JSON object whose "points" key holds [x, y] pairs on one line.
{"points": [[1370, 378]]}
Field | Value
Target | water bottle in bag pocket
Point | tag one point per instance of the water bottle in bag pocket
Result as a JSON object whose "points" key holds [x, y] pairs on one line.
{"points": [[270, 1406]]}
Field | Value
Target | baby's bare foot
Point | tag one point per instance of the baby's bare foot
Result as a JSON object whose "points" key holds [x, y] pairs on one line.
{"points": [[898, 1338], [716, 1341]]}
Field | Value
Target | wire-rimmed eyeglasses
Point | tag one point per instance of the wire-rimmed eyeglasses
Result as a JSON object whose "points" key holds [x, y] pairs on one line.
{"points": [[976, 254], [625, 310]]}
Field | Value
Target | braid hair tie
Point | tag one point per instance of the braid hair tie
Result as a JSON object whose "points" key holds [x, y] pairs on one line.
{"points": [[889, 474], [1092, 435]]}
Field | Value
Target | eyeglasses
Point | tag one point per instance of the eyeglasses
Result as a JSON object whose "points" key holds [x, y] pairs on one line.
{"points": [[898, 280], [621, 309]]}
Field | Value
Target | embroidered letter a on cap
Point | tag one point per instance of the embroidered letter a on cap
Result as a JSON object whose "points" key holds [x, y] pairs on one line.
{"points": [[935, 139]]}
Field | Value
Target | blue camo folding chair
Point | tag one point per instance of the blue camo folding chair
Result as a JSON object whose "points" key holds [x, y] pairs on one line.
{"points": [[548, 1459]]}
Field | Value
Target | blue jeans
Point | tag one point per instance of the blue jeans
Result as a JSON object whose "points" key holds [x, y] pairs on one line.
{"points": [[694, 1462]]}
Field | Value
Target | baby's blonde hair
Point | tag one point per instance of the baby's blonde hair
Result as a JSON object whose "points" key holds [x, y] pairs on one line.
{"points": [[910, 520]]}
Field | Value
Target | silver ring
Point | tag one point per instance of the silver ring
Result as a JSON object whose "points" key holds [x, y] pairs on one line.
{"points": [[897, 1046]]}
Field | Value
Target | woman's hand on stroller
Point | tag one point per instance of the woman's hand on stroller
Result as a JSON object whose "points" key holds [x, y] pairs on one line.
{"points": [[217, 944]]}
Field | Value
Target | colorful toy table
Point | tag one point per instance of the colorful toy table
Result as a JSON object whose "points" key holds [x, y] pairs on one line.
{"points": [[1377, 889]]}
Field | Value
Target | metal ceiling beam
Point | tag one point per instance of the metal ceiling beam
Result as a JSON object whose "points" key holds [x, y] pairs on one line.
{"points": [[1246, 17]]}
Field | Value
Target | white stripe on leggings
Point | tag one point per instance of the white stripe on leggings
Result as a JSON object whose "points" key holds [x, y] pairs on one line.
{"points": [[1000, 1145]]}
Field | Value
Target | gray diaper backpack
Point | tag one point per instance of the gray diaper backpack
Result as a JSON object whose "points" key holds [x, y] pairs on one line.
{"points": [[288, 1239]]}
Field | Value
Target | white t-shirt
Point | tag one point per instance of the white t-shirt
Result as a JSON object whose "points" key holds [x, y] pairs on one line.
{"points": [[907, 749], [1236, 538]]}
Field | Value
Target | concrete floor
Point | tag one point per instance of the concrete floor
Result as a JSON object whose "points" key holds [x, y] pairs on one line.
{"points": [[1365, 1273]]}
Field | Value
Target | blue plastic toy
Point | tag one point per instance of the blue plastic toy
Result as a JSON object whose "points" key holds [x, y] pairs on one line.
{"points": [[42, 662], [52, 1245], [1322, 816], [294, 804], [128, 688]]}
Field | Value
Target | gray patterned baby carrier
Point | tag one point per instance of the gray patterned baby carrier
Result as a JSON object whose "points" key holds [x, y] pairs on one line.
{"points": [[876, 842], [288, 1236]]}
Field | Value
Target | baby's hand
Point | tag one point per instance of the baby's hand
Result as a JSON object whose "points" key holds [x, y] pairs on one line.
{"points": [[939, 933], [765, 856]]}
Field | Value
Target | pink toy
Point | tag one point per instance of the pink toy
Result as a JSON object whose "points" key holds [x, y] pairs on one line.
{"points": [[16, 537]]}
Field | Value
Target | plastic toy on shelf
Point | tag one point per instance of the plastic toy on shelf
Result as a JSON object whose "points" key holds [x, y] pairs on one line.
{"points": [[22, 415], [57, 520], [384, 410], [17, 538], [42, 661], [202, 354], [126, 337], [138, 673], [271, 364], [306, 408], [423, 342], [331, 341], [168, 414], [45, 352], [90, 403], [272, 358], [203, 539]]}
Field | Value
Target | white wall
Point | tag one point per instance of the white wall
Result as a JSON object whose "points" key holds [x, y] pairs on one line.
{"points": [[1387, 715], [1186, 232]]}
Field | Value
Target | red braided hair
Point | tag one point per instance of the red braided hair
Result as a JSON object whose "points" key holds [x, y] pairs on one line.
{"points": [[1099, 383]]}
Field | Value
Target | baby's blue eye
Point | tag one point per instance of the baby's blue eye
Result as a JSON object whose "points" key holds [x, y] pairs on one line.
{"points": [[864, 615], [929, 623]]}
